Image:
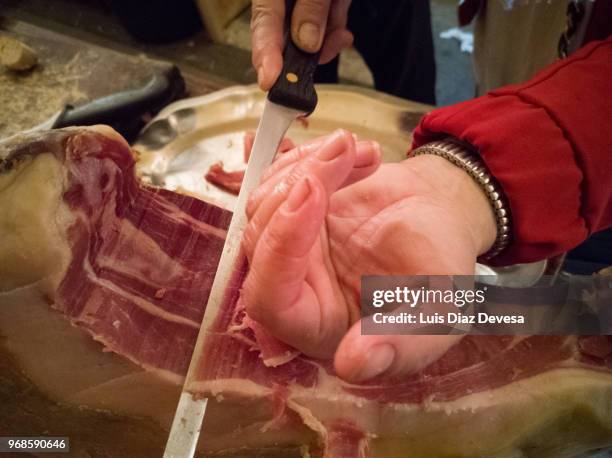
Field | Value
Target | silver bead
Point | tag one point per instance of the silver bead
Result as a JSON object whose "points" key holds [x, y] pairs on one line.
{"points": [[473, 165]]}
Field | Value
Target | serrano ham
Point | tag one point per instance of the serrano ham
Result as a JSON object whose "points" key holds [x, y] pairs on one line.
{"points": [[231, 181], [132, 265]]}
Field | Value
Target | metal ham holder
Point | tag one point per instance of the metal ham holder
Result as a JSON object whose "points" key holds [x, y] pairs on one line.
{"points": [[292, 95]]}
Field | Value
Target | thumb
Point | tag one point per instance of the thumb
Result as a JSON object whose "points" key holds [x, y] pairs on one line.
{"points": [[308, 23], [363, 357], [267, 40]]}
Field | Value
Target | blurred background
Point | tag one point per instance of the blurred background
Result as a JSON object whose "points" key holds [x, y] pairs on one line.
{"points": [[212, 36]]}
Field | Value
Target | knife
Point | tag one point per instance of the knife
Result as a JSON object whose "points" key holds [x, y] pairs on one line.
{"points": [[292, 95]]}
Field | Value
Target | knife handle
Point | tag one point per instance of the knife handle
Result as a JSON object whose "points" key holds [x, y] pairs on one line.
{"points": [[294, 88]]}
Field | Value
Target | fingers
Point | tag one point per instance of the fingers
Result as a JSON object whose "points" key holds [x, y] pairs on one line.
{"points": [[368, 156], [292, 157], [338, 37], [338, 14], [315, 25], [280, 259], [331, 164], [267, 21], [309, 23], [335, 42], [363, 357], [367, 160], [275, 293]]}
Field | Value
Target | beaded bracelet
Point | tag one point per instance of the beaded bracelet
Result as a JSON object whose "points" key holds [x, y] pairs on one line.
{"points": [[470, 162]]}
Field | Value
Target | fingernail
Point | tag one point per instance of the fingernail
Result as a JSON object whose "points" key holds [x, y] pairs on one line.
{"points": [[308, 36], [298, 195], [372, 156], [374, 144], [378, 359], [330, 149]]}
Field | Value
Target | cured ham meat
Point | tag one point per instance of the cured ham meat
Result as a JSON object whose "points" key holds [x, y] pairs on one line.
{"points": [[483, 388], [231, 181], [132, 266], [141, 260]]}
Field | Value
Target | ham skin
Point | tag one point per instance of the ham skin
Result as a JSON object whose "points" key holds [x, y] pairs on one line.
{"points": [[133, 269]]}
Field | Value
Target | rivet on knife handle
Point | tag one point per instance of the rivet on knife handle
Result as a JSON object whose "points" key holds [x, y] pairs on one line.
{"points": [[294, 87]]}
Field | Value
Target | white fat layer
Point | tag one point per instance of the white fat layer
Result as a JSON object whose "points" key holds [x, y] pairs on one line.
{"points": [[309, 419], [172, 210], [496, 422], [141, 253], [233, 387], [33, 224], [500, 420], [152, 309], [279, 360]]}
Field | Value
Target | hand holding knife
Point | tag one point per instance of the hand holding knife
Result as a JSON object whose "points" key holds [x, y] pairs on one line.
{"points": [[292, 95]]}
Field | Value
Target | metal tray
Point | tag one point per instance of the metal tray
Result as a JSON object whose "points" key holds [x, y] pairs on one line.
{"points": [[178, 146]]}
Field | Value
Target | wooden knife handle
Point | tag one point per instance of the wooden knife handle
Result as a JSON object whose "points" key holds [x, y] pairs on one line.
{"points": [[294, 88]]}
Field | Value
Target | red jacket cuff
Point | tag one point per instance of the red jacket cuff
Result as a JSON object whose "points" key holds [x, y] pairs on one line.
{"points": [[548, 143], [543, 198]]}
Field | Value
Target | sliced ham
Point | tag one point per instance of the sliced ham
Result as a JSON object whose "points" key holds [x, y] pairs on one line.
{"points": [[132, 265], [231, 181], [141, 259]]}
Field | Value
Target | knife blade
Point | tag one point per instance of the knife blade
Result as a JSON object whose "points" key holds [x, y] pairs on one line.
{"points": [[292, 95]]}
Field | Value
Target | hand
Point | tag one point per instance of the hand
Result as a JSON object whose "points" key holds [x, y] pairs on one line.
{"points": [[314, 24], [324, 215]]}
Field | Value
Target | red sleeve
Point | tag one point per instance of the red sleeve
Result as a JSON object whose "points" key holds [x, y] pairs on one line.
{"points": [[549, 144]]}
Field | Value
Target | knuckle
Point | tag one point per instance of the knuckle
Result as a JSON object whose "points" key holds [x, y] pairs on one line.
{"points": [[293, 156], [301, 152], [296, 174], [280, 248], [283, 187], [262, 12], [275, 241]]}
